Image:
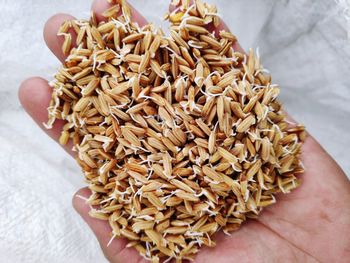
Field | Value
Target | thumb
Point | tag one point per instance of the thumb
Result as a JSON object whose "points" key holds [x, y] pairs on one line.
{"points": [[114, 249]]}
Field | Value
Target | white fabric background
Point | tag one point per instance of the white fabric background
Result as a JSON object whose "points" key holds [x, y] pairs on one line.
{"points": [[304, 43]]}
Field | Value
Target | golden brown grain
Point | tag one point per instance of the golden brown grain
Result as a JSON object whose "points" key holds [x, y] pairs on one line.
{"points": [[178, 137]]}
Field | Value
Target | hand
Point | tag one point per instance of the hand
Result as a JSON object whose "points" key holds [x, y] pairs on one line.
{"points": [[309, 225]]}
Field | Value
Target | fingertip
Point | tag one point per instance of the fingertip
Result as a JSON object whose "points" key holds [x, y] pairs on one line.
{"points": [[100, 6], [51, 28], [35, 94], [50, 24], [23, 89], [33, 90]]}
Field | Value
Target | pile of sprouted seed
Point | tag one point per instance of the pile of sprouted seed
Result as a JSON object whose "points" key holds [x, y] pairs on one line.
{"points": [[179, 136]]}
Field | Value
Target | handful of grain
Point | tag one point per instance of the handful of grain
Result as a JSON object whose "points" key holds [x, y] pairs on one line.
{"points": [[179, 137]]}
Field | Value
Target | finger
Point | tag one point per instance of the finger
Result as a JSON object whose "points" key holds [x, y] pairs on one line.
{"points": [[52, 26], [210, 27], [100, 6], [115, 249], [35, 95], [53, 41]]}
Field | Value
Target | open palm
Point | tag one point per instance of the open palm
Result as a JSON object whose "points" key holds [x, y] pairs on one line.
{"points": [[311, 224]]}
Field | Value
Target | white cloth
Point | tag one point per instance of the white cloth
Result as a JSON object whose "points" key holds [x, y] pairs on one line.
{"points": [[304, 44]]}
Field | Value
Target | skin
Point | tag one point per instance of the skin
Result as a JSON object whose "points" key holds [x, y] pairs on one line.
{"points": [[312, 224]]}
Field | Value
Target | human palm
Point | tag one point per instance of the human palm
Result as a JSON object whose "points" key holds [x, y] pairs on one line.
{"points": [[310, 224]]}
